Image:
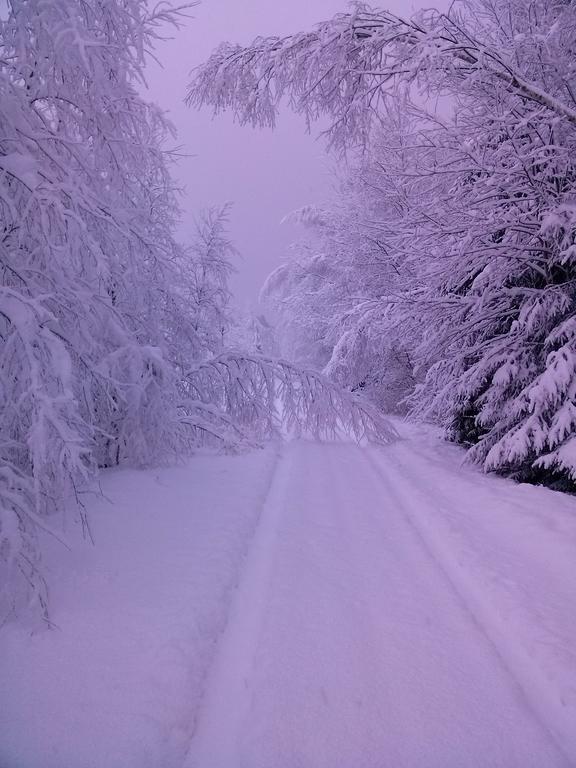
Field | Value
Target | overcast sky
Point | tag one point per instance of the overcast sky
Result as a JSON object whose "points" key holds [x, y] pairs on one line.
{"points": [[266, 174]]}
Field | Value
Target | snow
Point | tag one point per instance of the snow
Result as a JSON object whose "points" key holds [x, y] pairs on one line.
{"points": [[22, 167], [307, 606], [117, 684]]}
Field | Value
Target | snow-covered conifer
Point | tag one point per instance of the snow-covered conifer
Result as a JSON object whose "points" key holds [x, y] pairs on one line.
{"points": [[486, 225]]}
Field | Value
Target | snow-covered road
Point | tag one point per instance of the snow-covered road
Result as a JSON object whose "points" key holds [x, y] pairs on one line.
{"points": [[351, 643], [305, 606]]}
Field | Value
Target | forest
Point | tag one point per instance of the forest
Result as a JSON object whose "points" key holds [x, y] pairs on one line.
{"points": [[440, 284], [336, 531]]}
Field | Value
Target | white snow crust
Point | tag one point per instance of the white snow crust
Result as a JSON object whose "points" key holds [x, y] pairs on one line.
{"points": [[307, 606]]}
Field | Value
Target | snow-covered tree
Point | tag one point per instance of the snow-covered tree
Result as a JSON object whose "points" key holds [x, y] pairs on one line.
{"points": [[106, 321], [254, 333], [488, 222], [333, 294], [210, 258], [351, 66], [87, 257]]}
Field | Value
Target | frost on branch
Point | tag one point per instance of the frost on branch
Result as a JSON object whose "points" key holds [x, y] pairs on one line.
{"points": [[260, 395], [349, 67]]}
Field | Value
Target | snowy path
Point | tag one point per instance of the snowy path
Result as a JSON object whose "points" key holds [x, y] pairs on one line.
{"points": [[305, 606], [350, 644]]}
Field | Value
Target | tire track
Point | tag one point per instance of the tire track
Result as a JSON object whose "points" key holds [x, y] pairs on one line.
{"points": [[218, 721], [530, 691]]}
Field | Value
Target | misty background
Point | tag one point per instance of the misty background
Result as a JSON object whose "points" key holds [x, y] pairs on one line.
{"points": [[266, 174]]}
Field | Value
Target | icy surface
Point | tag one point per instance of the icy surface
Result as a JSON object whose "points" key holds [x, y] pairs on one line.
{"points": [[310, 606]]}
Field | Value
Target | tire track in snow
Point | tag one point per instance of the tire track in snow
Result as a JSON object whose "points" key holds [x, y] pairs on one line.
{"points": [[214, 742], [347, 646], [404, 487]]}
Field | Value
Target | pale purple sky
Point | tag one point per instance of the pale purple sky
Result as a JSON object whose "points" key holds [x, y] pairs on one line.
{"points": [[266, 174]]}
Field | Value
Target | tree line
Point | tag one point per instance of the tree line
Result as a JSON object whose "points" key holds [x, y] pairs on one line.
{"points": [[442, 279], [114, 336]]}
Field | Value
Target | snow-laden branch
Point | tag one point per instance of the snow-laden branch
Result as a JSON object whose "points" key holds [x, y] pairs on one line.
{"points": [[262, 395], [348, 67]]}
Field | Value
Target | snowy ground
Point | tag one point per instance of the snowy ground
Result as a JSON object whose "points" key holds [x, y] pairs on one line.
{"points": [[307, 606]]}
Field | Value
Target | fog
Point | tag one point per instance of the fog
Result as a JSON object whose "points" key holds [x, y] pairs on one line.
{"points": [[266, 174]]}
